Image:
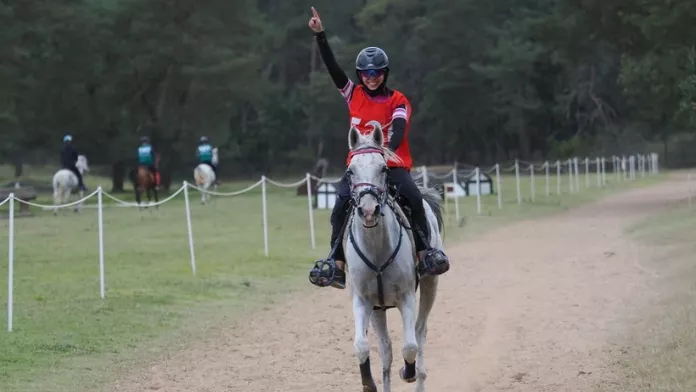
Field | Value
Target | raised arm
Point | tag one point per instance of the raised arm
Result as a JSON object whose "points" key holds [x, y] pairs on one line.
{"points": [[339, 77]]}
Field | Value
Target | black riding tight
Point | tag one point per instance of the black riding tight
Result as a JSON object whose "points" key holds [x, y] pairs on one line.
{"points": [[405, 185]]}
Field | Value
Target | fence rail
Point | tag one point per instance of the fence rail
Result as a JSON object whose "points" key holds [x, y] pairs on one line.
{"points": [[623, 169]]}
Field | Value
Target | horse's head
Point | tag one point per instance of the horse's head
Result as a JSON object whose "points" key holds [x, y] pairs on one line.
{"points": [[81, 164], [367, 172]]}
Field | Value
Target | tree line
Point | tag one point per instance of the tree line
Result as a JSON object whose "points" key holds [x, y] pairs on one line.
{"points": [[489, 81]]}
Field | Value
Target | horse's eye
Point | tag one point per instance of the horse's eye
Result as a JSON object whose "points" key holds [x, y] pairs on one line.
{"points": [[385, 169]]}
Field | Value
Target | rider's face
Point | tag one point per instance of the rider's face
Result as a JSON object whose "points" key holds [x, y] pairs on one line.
{"points": [[372, 79]]}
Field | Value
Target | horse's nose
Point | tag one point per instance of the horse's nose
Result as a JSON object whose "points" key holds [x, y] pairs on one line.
{"points": [[366, 212]]}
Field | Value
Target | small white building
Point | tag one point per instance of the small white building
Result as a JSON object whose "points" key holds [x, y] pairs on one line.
{"points": [[454, 190], [325, 196], [485, 183]]}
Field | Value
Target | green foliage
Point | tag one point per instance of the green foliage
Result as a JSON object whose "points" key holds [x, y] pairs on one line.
{"points": [[488, 80]]}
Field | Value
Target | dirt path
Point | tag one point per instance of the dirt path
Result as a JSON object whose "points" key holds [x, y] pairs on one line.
{"points": [[528, 307]]}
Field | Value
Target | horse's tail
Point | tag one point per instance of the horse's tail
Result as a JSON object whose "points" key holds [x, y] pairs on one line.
{"points": [[133, 176], [432, 197], [198, 176]]}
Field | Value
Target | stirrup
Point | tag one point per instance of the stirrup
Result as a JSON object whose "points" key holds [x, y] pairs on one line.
{"points": [[434, 263], [326, 273]]}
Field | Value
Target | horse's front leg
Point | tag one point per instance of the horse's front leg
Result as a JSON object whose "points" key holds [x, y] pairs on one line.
{"points": [[362, 310], [156, 198], [407, 307], [379, 323], [137, 196], [203, 193], [78, 207], [56, 200]]}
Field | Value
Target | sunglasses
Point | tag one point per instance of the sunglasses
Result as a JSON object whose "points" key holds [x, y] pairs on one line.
{"points": [[372, 73]]}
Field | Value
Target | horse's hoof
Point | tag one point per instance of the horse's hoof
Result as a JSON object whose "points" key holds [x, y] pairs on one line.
{"points": [[370, 388], [408, 373]]}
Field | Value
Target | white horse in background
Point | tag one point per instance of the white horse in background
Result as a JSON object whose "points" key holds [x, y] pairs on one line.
{"points": [[382, 262], [64, 181], [205, 176]]}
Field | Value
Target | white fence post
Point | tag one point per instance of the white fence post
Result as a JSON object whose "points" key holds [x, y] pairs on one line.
{"points": [[517, 181], [478, 190], [599, 172], [587, 172], [308, 178], [604, 171], [497, 180], [531, 179], [546, 164], [577, 174], [624, 168], [10, 264], [642, 165], [189, 228], [456, 197], [570, 175], [100, 218], [424, 170], [558, 177], [265, 215]]}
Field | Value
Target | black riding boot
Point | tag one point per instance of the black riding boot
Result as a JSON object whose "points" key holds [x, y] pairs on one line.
{"points": [[80, 181], [217, 177], [435, 262], [325, 272]]}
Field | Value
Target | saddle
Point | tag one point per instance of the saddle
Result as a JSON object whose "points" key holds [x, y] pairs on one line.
{"points": [[402, 203]]}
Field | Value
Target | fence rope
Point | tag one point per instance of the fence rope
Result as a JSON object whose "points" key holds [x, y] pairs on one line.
{"points": [[625, 167]]}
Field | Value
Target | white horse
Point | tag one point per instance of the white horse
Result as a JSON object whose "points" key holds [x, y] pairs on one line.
{"points": [[382, 262], [204, 176], [64, 181]]}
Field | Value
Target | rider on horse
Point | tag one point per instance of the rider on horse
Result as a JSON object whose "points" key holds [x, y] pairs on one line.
{"points": [[68, 159], [146, 158], [204, 152], [372, 100]]}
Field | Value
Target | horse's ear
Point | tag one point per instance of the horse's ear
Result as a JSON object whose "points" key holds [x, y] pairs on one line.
{"points": [[377, 135], [353, 137]]}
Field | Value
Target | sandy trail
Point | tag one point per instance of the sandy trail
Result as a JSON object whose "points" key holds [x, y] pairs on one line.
{"points": [[528, 307]]}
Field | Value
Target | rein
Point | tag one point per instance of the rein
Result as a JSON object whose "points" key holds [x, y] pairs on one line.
{"points": [[382, 196], [372, 266]]}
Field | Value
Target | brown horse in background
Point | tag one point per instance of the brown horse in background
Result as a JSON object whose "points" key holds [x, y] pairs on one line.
{"points": [[144, 182]]}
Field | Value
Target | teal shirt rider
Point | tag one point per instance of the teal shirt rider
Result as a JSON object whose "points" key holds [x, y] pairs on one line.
{"points": [[205, 152], [145, 154]]}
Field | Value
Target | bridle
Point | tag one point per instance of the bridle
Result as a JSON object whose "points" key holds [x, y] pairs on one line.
{"points": [[367, 188]]}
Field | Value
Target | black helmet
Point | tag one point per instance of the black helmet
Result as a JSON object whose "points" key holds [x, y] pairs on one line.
{"points": [[144, 139], [372, 58]]}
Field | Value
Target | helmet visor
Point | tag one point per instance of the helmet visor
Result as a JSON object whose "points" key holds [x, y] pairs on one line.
{"points": [[372, 73]]}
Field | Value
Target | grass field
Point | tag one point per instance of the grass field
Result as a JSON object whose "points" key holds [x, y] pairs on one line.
{"points": [[659, 354], [66, 338]]}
